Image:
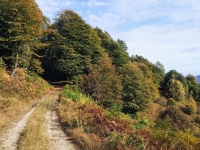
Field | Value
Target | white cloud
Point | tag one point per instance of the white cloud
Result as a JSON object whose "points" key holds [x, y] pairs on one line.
{"points": [[166, 44]]}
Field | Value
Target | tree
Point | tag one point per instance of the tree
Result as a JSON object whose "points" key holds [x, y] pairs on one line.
{"points": [[103, 84], [157, 70], [20, 25], [173, 74], [174, 89], [138, 91], [116, 51], [193, 87], [73, 45], [161, 67], [123, 45]]}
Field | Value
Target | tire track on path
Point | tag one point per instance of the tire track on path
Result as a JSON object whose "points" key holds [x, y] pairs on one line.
{"points": [[58, 138]]}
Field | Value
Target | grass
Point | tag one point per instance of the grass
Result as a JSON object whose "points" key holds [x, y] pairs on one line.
{"points": [[34, 136], [96, 128], [18, 94]]}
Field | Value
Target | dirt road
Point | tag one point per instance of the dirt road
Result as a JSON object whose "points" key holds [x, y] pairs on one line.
{"points": [[8, 141]]}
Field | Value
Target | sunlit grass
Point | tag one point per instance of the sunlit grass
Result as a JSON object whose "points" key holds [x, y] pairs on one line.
{"points": [[17, 95]]}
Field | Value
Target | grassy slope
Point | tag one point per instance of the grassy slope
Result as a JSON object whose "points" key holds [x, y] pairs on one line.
{"points": [[18, 94], [96, 128]]}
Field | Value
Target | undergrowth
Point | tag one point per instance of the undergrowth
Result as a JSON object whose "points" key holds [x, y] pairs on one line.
{"points": [[94, 127]]}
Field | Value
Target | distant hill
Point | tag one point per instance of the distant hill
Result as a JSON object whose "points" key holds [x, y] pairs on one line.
{"points": [[198, 78]]}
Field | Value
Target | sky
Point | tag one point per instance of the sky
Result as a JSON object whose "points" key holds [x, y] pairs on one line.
{"points": [[167, 31]]}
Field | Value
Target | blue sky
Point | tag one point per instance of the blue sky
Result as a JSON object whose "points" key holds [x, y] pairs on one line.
{"points": [[159, 30]]}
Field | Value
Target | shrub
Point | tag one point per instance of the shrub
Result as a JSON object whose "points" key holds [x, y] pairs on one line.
{"points": [[197, 119], [171, 102], [72, 94], [189, 109], [162, 101], [174, 89], [176, 117]]}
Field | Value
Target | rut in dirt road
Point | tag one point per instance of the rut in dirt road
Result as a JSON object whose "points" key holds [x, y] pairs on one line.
{"points": [[59, 140]]}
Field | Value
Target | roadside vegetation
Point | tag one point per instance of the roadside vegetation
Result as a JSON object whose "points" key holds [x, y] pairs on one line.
{"points": [[95, 127], [18, 94]]}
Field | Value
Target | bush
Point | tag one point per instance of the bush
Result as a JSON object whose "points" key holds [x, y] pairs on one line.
{"points": [[162, 101], [189, 109], [176, 117], [171, 102], [197, 119], [174, 89]]}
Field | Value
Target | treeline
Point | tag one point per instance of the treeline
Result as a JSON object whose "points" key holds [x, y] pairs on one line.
{"points": [[71, 50]]}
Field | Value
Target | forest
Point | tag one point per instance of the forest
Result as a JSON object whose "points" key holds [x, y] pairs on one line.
{"points": [[110, 100]]}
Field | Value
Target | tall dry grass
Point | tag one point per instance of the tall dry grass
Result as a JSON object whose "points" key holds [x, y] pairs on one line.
{"points": [[18, 94], [93, 127]]}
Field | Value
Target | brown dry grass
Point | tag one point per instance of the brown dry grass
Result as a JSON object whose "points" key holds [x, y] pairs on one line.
{"points": [[93, 127], [18, 94]]}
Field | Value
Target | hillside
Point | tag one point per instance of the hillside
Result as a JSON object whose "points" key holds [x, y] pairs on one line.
{"points": [[108, 100]]}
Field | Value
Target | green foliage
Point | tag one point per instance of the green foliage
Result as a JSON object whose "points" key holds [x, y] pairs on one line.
{"points": [[2, 67], [138, 90], [117, 50], [171, 102], [190, 107], [103, 83], [73, 45], [188, 140], [133, 89], [193, 87], [174, 89], [142, 123], [157, 71], [115, 108], [20, 24], [173, 74], [176, 117], [197, 119], [70, 93]]}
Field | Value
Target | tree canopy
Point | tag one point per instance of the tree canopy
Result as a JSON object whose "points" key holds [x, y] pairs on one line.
{"points": [[20, 25], [73, 45], [116, 50]]}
